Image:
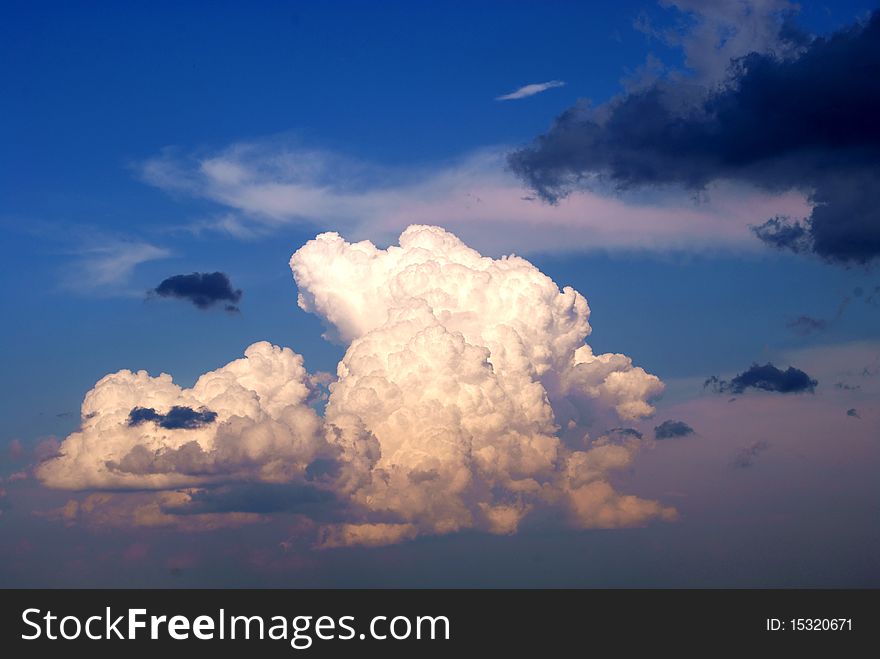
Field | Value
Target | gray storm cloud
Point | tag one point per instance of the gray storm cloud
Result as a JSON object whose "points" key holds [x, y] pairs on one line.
{"points": [[465, 399]]}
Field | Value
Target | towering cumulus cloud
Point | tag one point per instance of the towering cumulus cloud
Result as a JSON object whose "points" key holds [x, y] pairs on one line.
{"points": [[466, 399]]}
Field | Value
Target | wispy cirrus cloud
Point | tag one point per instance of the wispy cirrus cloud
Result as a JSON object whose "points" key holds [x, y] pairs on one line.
{"points": [[88, 259], [262, 186], [112, 263], [530, 90], [104, 265]]}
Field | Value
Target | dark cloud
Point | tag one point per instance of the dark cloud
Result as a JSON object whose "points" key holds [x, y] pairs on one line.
{"points": [[626, 432], [178, 417], [807, 122], [853, 412], [785, 233], [203, 289], [805, 325], [845, 386], [745, 457], [669, 429], [766, 378]]}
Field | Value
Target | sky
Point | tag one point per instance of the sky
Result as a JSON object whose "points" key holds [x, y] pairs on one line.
{"points": [[673, 381]]}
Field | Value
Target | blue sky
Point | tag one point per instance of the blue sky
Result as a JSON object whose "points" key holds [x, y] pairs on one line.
{"points": [[97, 93]]}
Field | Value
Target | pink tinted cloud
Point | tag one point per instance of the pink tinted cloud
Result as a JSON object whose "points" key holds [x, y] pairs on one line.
{"points": [[500, 216], [265, 185], [46, 448], [15, 449]]}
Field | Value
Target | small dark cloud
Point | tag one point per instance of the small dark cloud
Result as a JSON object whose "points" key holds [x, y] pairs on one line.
{"points": [[853, 412], [178, 417], [745, 457], [806, 122], [845, 386], [765, 378], [784, 233], [203, 289], [669, 429], [805, 325], [626, 432]]}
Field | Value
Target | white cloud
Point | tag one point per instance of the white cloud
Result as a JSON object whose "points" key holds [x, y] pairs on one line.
{"points": [[446, 413], [261, 187], [264, 428], [109, 264], [530, 90], [462, 367]]}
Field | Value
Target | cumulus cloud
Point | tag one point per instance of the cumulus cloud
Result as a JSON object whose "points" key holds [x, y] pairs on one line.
{"points": [[765, 377], [262, 427], [786, 118], [853, 412], [530, 90], [670, 428], [203, 289], [466, 398], [46, 448]]}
